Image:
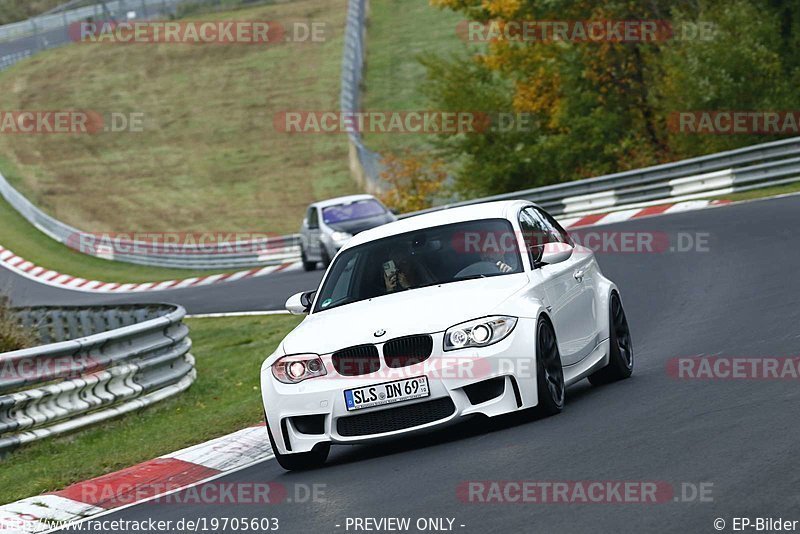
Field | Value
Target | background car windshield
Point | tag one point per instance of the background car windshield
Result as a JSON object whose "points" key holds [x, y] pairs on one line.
{"points": [[431, 256], [360, 209]]}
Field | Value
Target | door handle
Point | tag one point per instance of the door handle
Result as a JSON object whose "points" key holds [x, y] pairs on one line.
{"points": [[578, 275]]}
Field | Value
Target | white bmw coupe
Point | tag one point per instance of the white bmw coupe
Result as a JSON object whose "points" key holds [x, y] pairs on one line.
{"points": [[477, 310]]}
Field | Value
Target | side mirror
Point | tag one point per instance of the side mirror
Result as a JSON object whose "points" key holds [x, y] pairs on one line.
{"points": [[550, 253], [394, 211], [300, 303]]}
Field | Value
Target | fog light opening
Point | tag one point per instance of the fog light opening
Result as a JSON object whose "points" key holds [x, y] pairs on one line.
{"points": [[486, 390]]}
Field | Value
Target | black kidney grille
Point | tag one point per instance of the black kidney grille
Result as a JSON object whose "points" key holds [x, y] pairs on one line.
{"points": [[407, 350], [354, 361], [392, 419]]}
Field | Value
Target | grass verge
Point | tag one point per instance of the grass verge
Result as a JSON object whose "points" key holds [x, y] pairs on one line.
{"points": [[19, 236], [225, 398], [208, 157], [12, 335], [399, 33], [204, 139], [762, 193]]}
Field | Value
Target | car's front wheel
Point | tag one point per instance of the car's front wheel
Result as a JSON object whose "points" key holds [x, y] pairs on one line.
{"points": [[302, 460], [549, 373], [620, 365]]}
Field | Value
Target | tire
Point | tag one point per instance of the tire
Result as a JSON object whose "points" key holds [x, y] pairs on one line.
{"points": [[549, 373], [307, 265], [620, 365], [301, 461]]}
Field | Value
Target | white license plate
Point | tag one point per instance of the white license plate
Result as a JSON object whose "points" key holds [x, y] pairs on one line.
{"points": [[387, 393]]}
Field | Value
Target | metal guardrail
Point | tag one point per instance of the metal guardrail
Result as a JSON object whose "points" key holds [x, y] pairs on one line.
{"points": [[98, 363], [61, 16], [19, 40], [218, 255], [742, 169], [364, 163], [23, 39], [752, 167], [221, 255], [747, 168], [51, 29]]}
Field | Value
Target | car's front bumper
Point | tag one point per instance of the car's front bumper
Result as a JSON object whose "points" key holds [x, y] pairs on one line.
{"points": [[511, 360]]}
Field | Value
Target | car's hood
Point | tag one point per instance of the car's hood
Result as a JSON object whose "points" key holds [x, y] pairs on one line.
{"points": [[424, 310]]}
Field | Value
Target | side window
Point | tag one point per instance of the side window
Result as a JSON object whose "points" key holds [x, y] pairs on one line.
{"points": [[555, 229], [534, 232], [313, 218]]}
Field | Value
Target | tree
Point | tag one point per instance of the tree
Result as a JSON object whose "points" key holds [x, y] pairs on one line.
{"points": [[604, 106], [414, 181]]}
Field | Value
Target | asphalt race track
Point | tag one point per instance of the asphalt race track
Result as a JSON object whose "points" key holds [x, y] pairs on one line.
{"points": [[738, 298], [253, 294]]}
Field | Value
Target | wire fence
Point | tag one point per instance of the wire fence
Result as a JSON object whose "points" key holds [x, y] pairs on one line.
{"points": [[23, 39], [365, 163], [20, 40]]}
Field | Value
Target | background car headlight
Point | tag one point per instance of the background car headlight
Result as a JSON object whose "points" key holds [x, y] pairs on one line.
{"points": [[298, 367], [479, 332], [340, 237]]}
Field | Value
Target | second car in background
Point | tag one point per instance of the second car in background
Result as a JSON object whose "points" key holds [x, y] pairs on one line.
{"points": [[329, 224]]}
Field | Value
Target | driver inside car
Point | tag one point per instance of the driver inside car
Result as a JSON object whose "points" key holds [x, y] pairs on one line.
{"points": [[498, 259], [397, 277]]}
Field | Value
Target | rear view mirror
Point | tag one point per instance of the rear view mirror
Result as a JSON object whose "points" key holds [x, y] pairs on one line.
{"points": [[300, 303], [550, 253]]}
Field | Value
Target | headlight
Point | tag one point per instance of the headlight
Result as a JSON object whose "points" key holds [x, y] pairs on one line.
{"points": [[298, 367], [340, 237], [479, 332]]}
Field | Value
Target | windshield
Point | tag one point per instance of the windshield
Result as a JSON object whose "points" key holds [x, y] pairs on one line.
{"points": [[431, 256], [361, 209]]}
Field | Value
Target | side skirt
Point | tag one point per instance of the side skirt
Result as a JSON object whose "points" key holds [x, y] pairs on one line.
{"points": [[595, 361]]}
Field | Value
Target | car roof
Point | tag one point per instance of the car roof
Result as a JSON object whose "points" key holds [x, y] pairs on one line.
{"points": [[341, 200], [504, 209]]}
